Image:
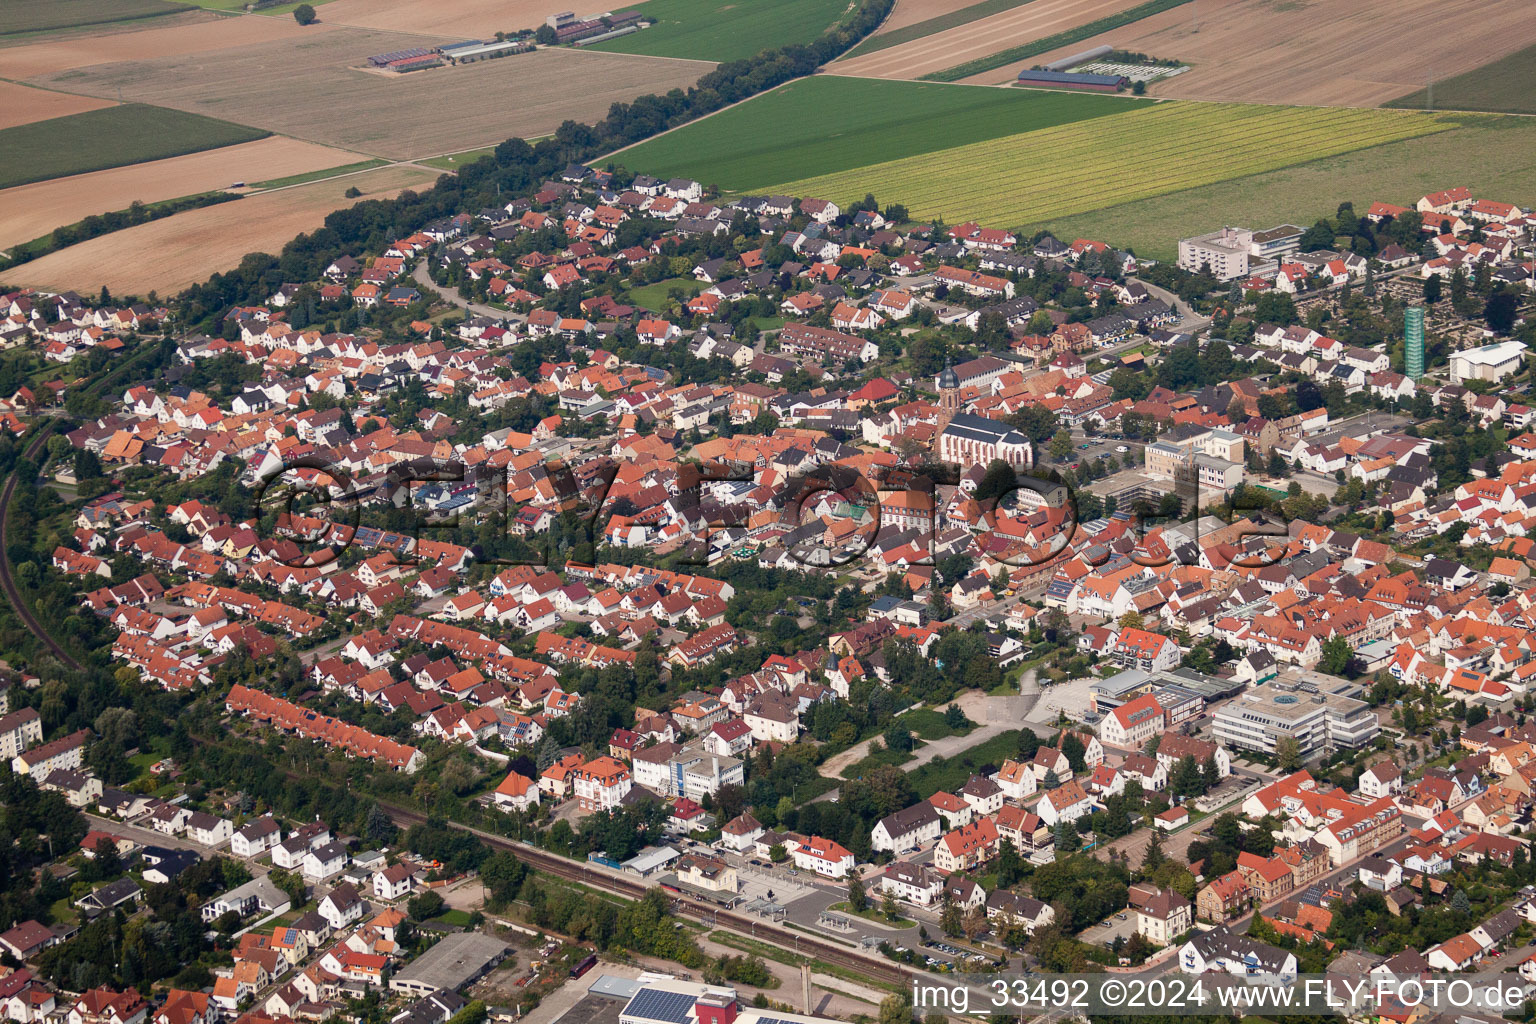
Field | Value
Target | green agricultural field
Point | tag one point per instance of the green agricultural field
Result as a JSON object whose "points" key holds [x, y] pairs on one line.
{"points": [[1398, 172], [19, 16], [827, 124], [1144, 152], [954, 19], [723, 30], [109, 137], [1502, 86]]}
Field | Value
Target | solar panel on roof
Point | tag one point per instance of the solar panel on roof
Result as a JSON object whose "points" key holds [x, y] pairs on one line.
{"points": [[658, 1004]]}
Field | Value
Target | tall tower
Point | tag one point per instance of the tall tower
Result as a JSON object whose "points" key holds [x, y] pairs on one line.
{"points": [[949, 395], [1413, 342]]}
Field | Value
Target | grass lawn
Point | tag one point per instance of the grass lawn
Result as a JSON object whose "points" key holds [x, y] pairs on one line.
{"points": [[19, 16], [954, 19], [808, 791], [1502, 86], [951, 773], [141, 762], [723, 30], [654, 296], [62, 909], [869, 914], [454, 917], [930, 724], [1398, 172], [1068, 169], [326, 172], [109, 137], [453, 161], [825, 124]]}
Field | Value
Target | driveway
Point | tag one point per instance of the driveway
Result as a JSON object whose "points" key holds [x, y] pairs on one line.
{"points": [[453, 296]]}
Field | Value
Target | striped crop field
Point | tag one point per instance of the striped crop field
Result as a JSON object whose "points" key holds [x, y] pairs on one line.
{"points": [[1149, 151]]}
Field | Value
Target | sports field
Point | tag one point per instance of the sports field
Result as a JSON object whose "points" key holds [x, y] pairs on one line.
{"points": [[19, 16], [109, 137], [1503, 86], [723, 30], [1144, 152], [1397, 172], [828, 124]]}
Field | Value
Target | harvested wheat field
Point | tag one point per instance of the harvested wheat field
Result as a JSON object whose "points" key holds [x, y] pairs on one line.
{"points": [[912, 12], [170, 254], [22, 104], [29, 211], [1320, 52], [180, 35], [312, 89], [463, 19], [1033, 20]]}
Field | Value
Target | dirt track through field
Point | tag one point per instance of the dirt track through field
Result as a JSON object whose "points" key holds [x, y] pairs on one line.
{"points": [[22, 104], [28, 211], [979, 38], [1323, 52], [168, 255]]}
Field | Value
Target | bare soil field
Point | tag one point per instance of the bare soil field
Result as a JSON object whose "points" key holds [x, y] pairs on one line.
{"points": [[910, 12], [178, 35], [312, 89], [170, 254], [29, 211], [1318, 52], [461, 19], [22, 104], [979, 38]]}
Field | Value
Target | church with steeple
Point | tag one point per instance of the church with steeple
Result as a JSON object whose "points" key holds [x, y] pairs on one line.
{"points": [[966, 439], [949, 395]]}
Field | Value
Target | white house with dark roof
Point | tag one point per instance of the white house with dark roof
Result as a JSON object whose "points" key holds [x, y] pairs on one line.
{"points": [[255, 837], [906, 829]]}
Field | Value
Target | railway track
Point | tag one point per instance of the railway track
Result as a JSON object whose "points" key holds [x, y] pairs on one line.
{"points": [[30, 453], [877, 969], [7, 582]]}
